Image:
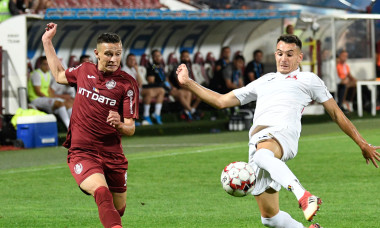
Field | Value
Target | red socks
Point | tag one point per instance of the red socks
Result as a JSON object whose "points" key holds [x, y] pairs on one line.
{"points": [[108, 215], [121, 211]]}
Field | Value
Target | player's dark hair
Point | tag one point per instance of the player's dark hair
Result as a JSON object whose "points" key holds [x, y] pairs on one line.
{"points": [[108, 37], [290, 39]]}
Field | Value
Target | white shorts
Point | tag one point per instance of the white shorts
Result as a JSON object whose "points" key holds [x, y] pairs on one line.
{"points": [[287, 138], [46, 103]]}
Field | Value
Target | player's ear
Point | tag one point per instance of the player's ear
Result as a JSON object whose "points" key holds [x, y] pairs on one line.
{"points": [[96, 53], [300, 57]]}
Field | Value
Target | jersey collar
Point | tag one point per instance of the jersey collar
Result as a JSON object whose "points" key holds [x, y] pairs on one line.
{"points": [[103, 74], [291, 73]]}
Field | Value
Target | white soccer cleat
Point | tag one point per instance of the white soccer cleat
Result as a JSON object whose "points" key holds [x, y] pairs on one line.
{"points": [[310, 205]]}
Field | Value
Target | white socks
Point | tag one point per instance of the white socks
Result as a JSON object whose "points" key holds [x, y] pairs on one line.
{"points": [[62, 112], [146, 109], [157, 109], [281, 220], [278, 171]]}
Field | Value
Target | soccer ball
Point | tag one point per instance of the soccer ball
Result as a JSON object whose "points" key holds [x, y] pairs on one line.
{"points": [[238, 179]]}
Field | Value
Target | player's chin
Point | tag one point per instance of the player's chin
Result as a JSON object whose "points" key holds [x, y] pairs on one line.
{"points": [[112, 68]]}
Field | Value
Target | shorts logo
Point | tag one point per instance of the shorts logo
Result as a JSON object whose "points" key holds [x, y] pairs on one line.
{"points": [[111, 84], [126, 177], [78, 168], [130, 93]]}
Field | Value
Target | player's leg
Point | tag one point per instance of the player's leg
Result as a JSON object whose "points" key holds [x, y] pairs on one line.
{"points": [[60, 109], [86, 168], [119, 201], [271, 216], [268, 157], [159, 94], [96, 185]]}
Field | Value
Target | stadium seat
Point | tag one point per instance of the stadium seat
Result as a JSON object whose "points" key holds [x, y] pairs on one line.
{"points": [[199, 70], [73, 61], [144, 60], [172, 62], [210, 58], [209, 65], [60, 4]]}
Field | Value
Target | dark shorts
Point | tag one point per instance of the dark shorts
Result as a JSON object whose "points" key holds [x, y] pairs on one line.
{"points": [[84, 163]]}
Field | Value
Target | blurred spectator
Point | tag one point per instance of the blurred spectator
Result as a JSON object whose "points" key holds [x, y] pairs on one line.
{"points": [[192, 100], [156, 78], [17, 7], [85, 58], [255, 68], [232, 73], [39, 91], [217, 83], [149, 94], [346, 84], [4, 10], [289, 29], [40, 6]]}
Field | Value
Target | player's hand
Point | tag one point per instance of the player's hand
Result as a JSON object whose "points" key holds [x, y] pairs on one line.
{"points": [[183, 74], [114, 119], [371, 155], [51, 29]]}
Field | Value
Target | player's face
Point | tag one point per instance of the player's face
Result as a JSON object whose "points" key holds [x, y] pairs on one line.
{"points": [[109, 56], [288, 57]]}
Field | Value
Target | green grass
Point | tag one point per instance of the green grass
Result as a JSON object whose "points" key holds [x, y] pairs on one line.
{"points": [[173, 181]]}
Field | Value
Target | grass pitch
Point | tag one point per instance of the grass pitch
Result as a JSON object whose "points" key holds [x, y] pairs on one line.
{"points": [[175, 182]]}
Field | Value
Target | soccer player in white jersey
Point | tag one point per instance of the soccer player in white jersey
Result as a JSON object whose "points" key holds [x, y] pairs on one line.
{"points": [[273, 137]]}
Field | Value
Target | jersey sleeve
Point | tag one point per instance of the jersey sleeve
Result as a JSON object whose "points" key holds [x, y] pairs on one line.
{"points": [[131, 100], [247, 93], [318, 90], [72, 74]]}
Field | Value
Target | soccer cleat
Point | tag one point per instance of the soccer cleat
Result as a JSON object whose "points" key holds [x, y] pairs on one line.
{"points": [[147, 121], [316, 225], [157, 118], [310, 205]]}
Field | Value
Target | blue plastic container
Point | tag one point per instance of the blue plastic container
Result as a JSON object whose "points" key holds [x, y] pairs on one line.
{"points": [[37, 131]]}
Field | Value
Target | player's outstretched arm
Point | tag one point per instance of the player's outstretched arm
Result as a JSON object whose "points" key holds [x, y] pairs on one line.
{"points": [[212, 98], [126, 128], [54, 63], [368, 151]]}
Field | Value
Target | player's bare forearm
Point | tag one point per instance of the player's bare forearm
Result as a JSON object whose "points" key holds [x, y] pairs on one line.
{"points": [[343, 122], [368, 151], [54, 63], [212, 98], [126, 129]]}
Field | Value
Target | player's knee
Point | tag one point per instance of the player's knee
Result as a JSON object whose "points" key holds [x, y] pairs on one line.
{"points": [[261, 155], [102, 194], [121, 211]]}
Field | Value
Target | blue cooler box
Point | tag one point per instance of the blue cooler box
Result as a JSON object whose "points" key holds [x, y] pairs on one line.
{"points": [[37, 131]]}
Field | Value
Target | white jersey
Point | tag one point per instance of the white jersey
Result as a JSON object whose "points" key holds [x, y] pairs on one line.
{"points": [[281, 98]]}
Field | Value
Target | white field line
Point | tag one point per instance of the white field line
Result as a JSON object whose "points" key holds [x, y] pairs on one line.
{"points": [[31, 169]]}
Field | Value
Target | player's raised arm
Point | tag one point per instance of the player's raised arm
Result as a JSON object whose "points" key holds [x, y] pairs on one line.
{"points": [[212, 98], [54, 63], [369, 152]]}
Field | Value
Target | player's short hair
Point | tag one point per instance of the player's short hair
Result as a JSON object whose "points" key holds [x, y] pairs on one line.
{"points": [[108, 37], [290, 39]]}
